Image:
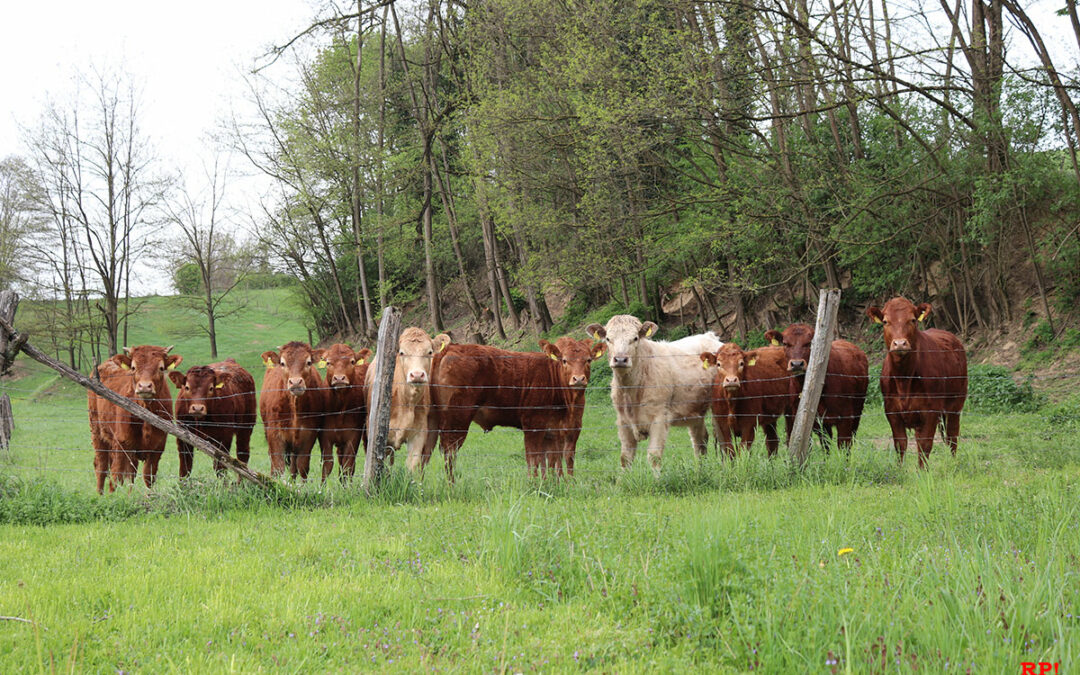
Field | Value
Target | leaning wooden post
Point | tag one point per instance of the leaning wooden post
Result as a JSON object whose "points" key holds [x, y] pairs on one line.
{"points": [[799, 441], [9, 302], [166, 425], [378, 427]]}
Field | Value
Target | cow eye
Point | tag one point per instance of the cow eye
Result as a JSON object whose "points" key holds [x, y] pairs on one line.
{"points": [[430, 352], [309, 362], [401, 353], [283, 363], [352, 362]]}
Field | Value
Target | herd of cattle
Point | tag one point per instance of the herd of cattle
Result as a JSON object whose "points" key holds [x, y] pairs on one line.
{"points": [[441, 388]]}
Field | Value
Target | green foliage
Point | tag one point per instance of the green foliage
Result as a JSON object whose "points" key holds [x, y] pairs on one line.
{"points": [[39, 502], [994, 389], [187, 280], [1041, 337]]}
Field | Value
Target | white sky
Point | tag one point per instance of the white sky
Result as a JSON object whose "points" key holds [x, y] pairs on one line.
{"points": [[185, 56]]}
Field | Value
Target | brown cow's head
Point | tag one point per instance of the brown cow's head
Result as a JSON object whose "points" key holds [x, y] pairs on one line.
{"points": [[147, 365], [341, 362], [622, 335], [298, 360], [796, 343], [415, 352], [901, 319], [199, 385], [731, 362], [575, 357]]}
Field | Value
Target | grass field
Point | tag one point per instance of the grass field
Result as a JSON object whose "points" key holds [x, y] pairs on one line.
{"points": [[972, 566]]}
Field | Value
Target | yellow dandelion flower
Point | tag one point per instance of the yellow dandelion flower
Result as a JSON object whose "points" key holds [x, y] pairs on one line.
{"points": [[844, 551]]}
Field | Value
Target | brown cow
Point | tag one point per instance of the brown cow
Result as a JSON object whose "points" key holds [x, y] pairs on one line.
{"points": [[291, 404], [120, 439], [846, 378], [541, 393], [216, 402], [346, 408], [410, 394], [923, 379], [750, 389]]}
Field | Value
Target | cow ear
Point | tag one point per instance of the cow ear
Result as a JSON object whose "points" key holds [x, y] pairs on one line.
{"points": [[362, 356], [647, 329], [708, 359], [774, 337], [596, 331], [598, 350], [173, 361], [751, 357], [221, 379], [270, 358], [178, 378], [874, 312], [924, 311], [319, 358], [551, 350], [441, 340], [122, 360]]}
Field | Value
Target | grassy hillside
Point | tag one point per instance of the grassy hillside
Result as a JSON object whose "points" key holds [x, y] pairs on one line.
{"points": [[715, 566]]}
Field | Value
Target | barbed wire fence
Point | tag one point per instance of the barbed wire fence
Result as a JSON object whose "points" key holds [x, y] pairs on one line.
{"points": [[57, 440]]}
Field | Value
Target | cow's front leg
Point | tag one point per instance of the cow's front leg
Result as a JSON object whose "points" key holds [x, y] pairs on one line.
{"points": [[414, 459], [628, 440], [699, 436], [658, 432]]}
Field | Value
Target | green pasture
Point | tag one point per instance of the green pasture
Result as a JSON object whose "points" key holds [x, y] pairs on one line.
{"points": [[971, 566]]}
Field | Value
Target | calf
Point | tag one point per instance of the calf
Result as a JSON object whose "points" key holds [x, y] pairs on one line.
{"points": [[292, 403], [846, 378], [923, 379], [655, 385], [120, 439], [541, 393], [345, 421], [216, 402], [410, 394], [750, 389]]}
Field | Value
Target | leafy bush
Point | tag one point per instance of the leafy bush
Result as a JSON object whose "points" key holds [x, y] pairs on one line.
{"points": [[990, 389], [1041, 337], [993, 389], [186, 279]]}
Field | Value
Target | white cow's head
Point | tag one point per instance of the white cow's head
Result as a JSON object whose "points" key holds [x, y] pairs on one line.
{"points": [[622, 335]]}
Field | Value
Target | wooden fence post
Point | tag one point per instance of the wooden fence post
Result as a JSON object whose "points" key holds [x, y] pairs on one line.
{"points": [[378, 427], [166, 425], [824, 329], [9, 302]]}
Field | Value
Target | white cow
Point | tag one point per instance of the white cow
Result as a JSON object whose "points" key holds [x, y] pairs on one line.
{"points": [[410, 397], [656, 384]]}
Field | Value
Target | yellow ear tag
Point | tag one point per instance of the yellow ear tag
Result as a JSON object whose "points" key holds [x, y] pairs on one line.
{"points": [[751, 361], [359, 362], [553, 357], [172, 366], [648, 332], [269, 363], [443, 346], [219, 385], [125, 366], [775, 342], [922, 316], [876, 319], [704, 364], [321, 364]]}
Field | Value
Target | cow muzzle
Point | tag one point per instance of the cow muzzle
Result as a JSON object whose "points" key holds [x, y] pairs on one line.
{"points": [[416, 377], [796, 366], [620, 362], [579, 381], [297, 386], [144, 391], [339, 381], [197, 410], [900, 347], [731, 384]]}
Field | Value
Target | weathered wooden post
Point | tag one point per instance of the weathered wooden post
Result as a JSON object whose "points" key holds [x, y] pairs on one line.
{"points": [[824, 328], [378, 427], [9, 302]]}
